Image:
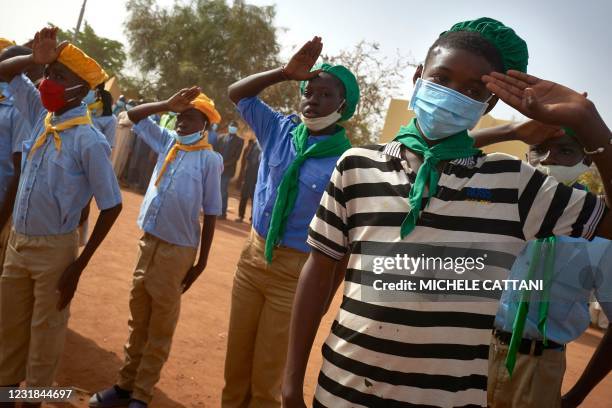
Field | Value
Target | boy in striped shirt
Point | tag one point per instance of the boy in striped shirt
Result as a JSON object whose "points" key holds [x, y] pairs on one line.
{"points": [[430, 187]]}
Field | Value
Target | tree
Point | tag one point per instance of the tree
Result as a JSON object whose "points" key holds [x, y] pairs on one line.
{"points": [[203, 42], [108, 53], [378, 80]]}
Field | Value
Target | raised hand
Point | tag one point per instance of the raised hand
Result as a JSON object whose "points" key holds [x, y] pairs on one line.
{"points": [[181, 101], [298, 67], [44, 47], [542, 100], [534, 133]]}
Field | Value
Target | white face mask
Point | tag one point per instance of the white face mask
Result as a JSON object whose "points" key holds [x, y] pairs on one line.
{"points": [[567, 175], [316, 124]]}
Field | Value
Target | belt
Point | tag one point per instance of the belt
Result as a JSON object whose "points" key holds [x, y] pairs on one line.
{"points": [[528, 346]]}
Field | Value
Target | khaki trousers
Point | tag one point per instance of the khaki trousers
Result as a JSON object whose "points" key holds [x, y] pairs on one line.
{"points": [[536, 380], [262, 298], [155, 303], [32, 330], [4, 237]]}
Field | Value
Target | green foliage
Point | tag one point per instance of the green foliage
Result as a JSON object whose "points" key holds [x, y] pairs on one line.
{"points": [[109, 53], [203, 42]]}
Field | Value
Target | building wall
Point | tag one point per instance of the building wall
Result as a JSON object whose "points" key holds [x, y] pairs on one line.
{"points": [[398, 115]]}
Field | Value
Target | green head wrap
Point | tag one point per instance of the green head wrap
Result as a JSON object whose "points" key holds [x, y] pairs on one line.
{"points": [[351, 87], [513, 49]]}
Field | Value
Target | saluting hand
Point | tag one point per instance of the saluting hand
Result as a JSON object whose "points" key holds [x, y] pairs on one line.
{"points": [[534, 133], [542, 100], [298, 67], [181, 101], [44, 48]]}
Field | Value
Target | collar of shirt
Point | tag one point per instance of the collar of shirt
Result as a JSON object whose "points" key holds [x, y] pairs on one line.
{"points": [[395, 149], [80, 110]]}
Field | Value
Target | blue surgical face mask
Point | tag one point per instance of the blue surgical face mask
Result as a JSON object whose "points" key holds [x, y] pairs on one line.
{"points": [[90, 97], [232, 129], [188, 139], [442, 112]]}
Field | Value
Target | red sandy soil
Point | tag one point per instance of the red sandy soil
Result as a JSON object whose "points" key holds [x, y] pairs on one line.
{"points": [[193, 375]]}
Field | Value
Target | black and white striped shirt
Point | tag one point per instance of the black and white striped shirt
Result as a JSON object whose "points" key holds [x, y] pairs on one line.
{"points": [[405, 354]]}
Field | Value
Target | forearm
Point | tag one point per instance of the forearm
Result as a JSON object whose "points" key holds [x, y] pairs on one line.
{"points": [[497, 134], [309, 305], [105, 221], [599, 366], [339, 274], [593, 134], [12, 67], [208, 232], [140, 112], [254, 84]]}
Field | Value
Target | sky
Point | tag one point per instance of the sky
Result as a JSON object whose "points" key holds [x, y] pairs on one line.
{"points": [[570, 41]]}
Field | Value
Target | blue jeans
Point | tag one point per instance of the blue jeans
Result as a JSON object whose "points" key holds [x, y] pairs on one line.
{"points": [[225, 179]]}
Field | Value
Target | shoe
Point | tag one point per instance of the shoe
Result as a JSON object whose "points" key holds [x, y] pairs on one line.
{"points": [[110, 397]]}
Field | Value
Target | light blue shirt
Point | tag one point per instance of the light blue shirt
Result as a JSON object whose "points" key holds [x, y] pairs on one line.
{"points": [[582, 268], [13, 131], [107, 125], [55, 186], [191, 182], [273, 132]]}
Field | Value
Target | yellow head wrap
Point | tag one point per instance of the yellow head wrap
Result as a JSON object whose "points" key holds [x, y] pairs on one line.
{"points": [[83, 65], [207, 106], [5, 43]]}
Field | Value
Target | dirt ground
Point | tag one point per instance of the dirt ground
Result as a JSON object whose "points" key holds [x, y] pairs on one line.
{"points": [[193, 375]]}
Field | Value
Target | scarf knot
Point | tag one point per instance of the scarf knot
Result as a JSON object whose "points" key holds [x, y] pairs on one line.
{"points": [[202, 144], [56, 129]]}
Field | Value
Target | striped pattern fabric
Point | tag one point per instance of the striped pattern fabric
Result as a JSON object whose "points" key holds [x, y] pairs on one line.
{"points": [[424, 353]]}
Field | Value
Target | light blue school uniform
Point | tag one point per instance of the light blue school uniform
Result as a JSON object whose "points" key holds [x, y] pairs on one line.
{"points": [[56, 185], [107, 125], [190, 183]]}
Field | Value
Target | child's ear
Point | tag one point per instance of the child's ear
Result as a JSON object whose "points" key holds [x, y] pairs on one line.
{"points": [[417, 74]]}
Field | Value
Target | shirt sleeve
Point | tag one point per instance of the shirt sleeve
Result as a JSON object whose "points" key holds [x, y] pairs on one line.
{"points": [[27, 99], [328, 231], [211, 201], [20, 131], [547, 207], [99, 171], [110, 129], [261, 118], [153, 135], [603, 280]]}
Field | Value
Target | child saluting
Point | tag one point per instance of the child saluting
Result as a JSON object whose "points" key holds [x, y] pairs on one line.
{"points": [[66, 161]]}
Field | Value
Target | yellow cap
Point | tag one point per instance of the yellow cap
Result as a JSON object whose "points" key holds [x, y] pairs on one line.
{"points": [[5, 43], [207, 106], [83, 65]]}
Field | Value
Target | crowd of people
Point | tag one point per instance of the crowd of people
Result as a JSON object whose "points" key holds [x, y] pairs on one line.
{"points": [[322, 209]]}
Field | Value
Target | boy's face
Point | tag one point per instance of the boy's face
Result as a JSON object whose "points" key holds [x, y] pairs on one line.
{"points": [[322, 96], [190, 121], [459, 70], [564, 151], [59, 73]]}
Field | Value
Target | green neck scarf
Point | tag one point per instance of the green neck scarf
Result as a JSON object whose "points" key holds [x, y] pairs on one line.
{"points": [[548, 246], [287, 191], [457, 146]]}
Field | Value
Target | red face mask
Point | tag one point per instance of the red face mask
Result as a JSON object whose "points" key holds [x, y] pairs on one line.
{"points": [[53, 94]]}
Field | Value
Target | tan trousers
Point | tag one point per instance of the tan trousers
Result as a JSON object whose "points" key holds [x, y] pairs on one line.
{"points": [[32, 330], [155, 302], [4, 237], [536, 380], [262, 298]]}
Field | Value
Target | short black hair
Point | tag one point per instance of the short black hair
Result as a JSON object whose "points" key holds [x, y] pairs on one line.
{"points": [[14, 51], [472, 42]]}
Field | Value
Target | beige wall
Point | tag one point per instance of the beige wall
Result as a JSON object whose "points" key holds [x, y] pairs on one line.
{"points": [[398, 115]]}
